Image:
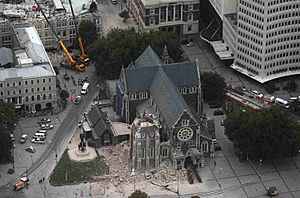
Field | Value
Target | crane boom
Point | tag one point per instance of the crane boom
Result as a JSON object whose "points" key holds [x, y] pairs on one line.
{"points": [[82, 55], [61, 43]]}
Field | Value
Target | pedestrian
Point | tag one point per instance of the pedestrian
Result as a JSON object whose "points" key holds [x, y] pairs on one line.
{"points": [[215, 163]]}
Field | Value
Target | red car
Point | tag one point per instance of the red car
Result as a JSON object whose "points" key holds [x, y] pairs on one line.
{"points": [[23, 182]]}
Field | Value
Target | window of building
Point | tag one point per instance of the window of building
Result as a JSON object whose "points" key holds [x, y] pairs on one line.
{"points": [[14, 84], [152, 20], [20, 83], [49, 80], [44, 97], [8, 93], [19, 91], [26, 82], [204, 146], [50, 96], [7, 84], [32, 89], [151, 152], [32, 82], [143, 153], [26, 98], [44, 80], [1, 85], [49, 88], [32, 98], [190, 7], [44, 88], [190, 16], [37, 81], [164, 151], [38, 97], [185, 122], [189, 28], [1, 93], [152, 11]]}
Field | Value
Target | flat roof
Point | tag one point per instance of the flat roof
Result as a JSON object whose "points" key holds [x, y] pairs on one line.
{"points": [[157, 2]]}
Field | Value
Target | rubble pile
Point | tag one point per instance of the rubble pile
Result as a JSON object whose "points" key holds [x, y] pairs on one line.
{"points": [[116, 157]]}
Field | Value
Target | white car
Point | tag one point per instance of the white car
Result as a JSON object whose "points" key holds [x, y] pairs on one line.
{"points": [[257, 93], [44, 120], [38, 140], [46, 126], [23, 138]]}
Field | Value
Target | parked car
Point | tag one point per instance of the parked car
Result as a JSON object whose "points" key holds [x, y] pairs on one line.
{"points": [[77, 100], [30, 149], [257, 94], [44, 120], [244, 88], [190, 44], [114, 2], [46, 126], [38, 140], [272, 191], [12, 137], [23, 138]]}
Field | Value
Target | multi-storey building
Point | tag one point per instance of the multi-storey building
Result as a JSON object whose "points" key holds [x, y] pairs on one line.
{"points": [[31, 83], [268, 39], [5, 33], [181, 17], [61, 20]]}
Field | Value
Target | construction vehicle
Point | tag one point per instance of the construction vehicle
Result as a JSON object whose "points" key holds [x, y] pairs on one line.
{"points": [[70, 63], [82, 55]]}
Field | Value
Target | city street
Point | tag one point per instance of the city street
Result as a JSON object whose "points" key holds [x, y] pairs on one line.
{"points": [[209, 61]]}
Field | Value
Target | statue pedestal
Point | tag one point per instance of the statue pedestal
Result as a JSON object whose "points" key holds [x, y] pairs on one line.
{"points": [[79, 156]]}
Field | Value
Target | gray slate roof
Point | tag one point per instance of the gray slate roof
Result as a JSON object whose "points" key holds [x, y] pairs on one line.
{"points": [[148, 58], [182, 74], [139, 79], [6, 56], [167, 97]]}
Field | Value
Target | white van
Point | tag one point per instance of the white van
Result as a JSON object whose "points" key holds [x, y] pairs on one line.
{"points": [[85, 88], [39, 135], [282, 103]]}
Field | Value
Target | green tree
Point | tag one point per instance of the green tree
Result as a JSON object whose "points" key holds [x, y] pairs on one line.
{"points": [[213, 87], [5, 145], [267, 133], [121, 47], [138, 194], [64, 94], [124, 14], [8, 116], [88, 32]]}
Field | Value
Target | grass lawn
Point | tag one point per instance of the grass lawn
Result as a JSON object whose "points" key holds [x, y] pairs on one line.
{"points": [[69, 172]]}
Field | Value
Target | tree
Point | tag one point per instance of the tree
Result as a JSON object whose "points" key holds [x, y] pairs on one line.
{"points": [[88, 32], [267, 133], [5, 146], [138, 194], [8, 116], [124, 14], [64, 94], [213, 87], [122, 47]]}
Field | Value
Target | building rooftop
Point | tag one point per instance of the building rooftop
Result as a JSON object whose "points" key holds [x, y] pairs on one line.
{"points": [[157, 2]]}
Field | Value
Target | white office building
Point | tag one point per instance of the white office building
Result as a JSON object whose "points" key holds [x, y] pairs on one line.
{"points": [[30, 82], [268, 39]]}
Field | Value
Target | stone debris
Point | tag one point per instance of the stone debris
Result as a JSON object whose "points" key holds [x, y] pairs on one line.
{"points": [[117, 158]]}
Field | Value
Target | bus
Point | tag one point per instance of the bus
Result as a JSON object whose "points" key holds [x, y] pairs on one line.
{"points": [[85, 88], [282, 103]]}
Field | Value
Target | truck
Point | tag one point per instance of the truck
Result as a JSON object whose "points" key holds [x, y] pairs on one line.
{"points": [[23, 182], [85, 88]]}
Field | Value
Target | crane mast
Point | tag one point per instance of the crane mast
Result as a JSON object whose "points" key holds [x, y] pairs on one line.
{"points": [[70, 63]]}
